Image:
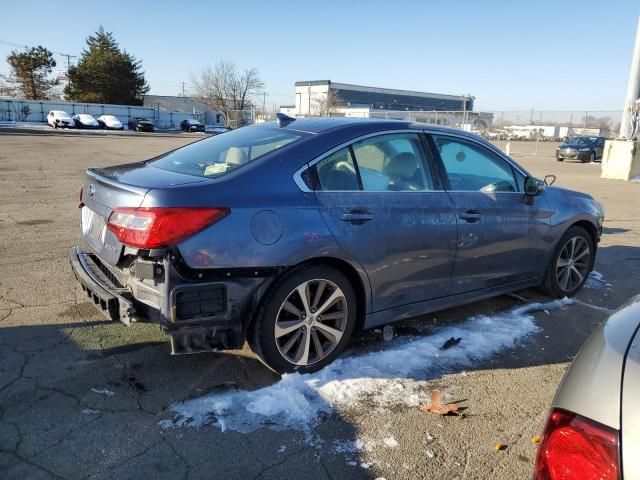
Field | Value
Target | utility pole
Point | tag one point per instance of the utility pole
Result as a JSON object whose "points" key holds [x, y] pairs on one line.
{"points": [[69, 57], [183, 95], [264, 103], [633, 90], [621, 157]]}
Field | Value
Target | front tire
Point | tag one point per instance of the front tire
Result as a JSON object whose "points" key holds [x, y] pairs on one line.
{"points": [[305, 320], [571, 264]]}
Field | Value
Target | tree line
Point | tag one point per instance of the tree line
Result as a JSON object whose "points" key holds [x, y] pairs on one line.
{"points": [[107, 74], [104, 74]]}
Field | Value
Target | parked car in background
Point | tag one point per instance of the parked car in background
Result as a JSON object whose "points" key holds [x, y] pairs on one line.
{"points": [[140, 124], [110, 122], [60, 119], [84, 120], [294, 234], [584, 149], [593, 428], [191, 125], [218, 130]]}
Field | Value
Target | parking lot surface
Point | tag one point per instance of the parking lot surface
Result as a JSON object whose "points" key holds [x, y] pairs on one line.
{"points": [[82, 397]]}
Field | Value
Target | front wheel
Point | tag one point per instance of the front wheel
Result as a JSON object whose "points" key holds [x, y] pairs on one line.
{"points": [[305, 320], [571, 264]]}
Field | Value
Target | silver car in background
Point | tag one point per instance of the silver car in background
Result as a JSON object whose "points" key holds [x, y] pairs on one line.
{"points": [[593, 429]]}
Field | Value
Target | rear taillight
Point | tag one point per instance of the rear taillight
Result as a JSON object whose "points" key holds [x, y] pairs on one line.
{"points": [[160, 227], [574, 447]]}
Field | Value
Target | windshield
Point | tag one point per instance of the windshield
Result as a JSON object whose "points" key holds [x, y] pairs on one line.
{"points": [[110, 118], [219, 155], [85, 117], [580, 140], [193, 122]]}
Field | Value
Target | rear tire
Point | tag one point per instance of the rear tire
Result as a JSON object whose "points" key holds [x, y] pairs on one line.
{"points": [[570, 265], [559, 159], [289, 336]]}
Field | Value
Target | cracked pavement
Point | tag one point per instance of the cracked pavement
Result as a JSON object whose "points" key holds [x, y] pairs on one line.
{"points": [[81, 397]]}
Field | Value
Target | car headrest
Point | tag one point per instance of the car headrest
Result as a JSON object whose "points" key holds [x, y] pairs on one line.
{"points": [[236, 156], [402, 166]]}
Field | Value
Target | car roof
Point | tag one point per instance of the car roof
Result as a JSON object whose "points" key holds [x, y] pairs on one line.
{"points": [[324, 124]]}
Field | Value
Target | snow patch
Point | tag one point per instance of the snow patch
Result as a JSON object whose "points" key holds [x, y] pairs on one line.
{"points": [[390, 442], [380, 378], [103, 391], [597, 281]]}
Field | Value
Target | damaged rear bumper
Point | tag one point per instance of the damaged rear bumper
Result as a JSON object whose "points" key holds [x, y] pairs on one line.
{"points": [[109, 299], [200, 311]]}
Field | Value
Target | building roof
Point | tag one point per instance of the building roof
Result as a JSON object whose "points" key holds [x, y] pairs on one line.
{"points": [[392, 91]]}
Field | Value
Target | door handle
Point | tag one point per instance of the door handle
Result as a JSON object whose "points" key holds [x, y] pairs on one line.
{"points": [[470, 216], [356, 216]]}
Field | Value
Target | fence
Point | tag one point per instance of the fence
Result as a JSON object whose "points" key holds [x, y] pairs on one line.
{"points": [[524, 130], [36, 111]]}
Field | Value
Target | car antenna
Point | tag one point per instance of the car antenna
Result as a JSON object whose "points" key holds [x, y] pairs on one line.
{"points": [[284, 120]]}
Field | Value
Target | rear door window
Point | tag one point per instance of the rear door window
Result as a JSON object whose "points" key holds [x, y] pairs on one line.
{"points": [[392, 162], [337, 172]]}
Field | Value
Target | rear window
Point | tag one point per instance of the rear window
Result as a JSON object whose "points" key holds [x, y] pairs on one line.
{"points": [[219, 155]]}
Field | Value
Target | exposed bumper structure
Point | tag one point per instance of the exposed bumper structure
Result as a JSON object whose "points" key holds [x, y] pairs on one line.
{"points": [[199, 315], [100, 288]]}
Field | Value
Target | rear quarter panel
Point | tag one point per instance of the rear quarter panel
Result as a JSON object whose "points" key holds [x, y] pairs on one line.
{"points": [[271, 224]]}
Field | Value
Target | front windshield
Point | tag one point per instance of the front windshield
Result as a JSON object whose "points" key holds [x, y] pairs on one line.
{"points": [[580, 140], [221, 154]]}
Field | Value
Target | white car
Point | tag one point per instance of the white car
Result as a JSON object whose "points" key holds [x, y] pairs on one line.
{"points": [[84, 120], [60, 119], [110, 122]]}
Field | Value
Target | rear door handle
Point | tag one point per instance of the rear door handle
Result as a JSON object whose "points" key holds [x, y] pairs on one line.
{"points": [[356, 216], [470, 216]]}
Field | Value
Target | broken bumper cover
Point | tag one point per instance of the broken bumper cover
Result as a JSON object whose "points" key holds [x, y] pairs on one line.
{"points": [[198, 312], [99, 288]]}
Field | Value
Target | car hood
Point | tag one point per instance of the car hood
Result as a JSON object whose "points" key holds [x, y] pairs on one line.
{"points": [[140, 174], [113, 123]]}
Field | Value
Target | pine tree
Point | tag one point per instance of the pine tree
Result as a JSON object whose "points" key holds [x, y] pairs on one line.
{"points": [[105, 74], [30, 72]]}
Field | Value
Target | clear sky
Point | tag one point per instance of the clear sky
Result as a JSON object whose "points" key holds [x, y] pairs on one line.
{"points": [[511, 55]]}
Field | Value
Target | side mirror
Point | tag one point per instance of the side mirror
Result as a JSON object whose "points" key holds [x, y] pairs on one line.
{"points": [[533, 187]]}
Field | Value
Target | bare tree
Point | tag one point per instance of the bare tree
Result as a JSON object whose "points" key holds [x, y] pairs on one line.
{"points": [[224, 89], [325, 105]]}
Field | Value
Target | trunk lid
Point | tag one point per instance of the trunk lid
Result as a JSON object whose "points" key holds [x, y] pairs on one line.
{"points": [[119, 186]]}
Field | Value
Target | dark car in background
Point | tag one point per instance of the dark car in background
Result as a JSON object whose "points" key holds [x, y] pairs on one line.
{"points": [[140, 124], [593, 428], [293, 234], [191, 125], [582, 148]]}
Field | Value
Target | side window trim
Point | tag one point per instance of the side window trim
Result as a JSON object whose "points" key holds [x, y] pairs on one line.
{"points": [[355, 165], [515, 170]]}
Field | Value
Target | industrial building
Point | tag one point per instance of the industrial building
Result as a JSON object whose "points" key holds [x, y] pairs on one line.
{"points": [[324, 97]]}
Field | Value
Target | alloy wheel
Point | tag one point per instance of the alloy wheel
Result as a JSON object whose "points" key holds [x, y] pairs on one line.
{"points": [[573, 264], [311, 322]]}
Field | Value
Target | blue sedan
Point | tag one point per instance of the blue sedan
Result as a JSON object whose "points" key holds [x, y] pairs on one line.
{"points": [[292, 235]]}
